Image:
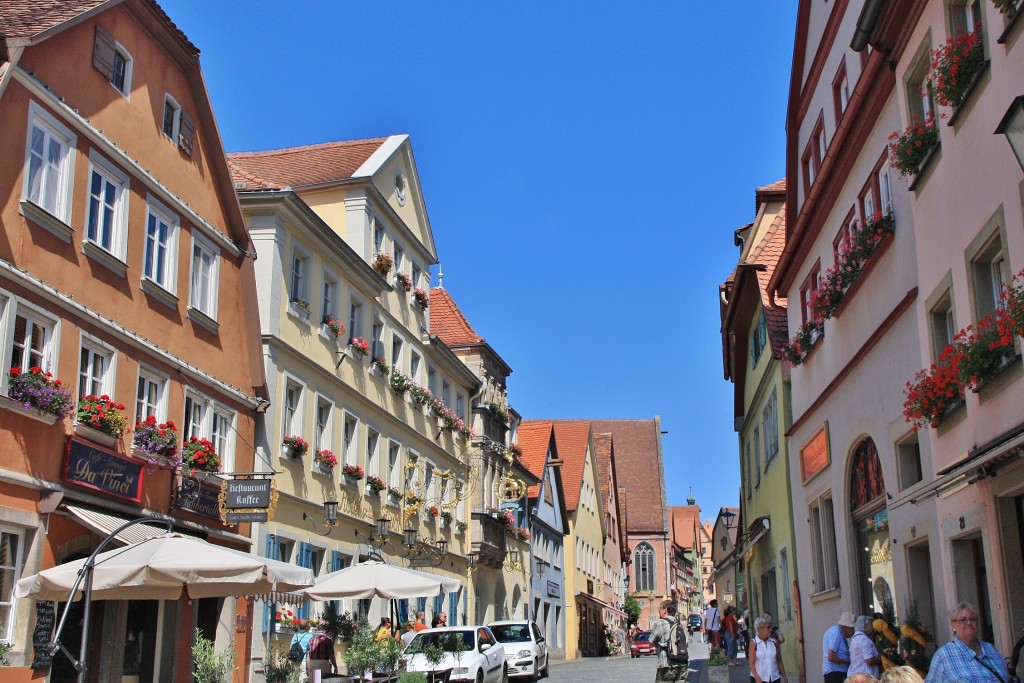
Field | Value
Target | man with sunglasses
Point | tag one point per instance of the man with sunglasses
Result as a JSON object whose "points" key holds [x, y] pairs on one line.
{"points": [[967, 659]]}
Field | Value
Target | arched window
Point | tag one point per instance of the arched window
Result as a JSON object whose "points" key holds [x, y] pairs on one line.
{"points": [[643, 563]]}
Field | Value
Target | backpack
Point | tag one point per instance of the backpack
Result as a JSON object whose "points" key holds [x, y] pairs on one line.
{"points": [[677, 652], [296, 653]]}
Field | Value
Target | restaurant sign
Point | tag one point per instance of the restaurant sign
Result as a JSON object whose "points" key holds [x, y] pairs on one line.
{"points": [[231, 498], [102, 470]]}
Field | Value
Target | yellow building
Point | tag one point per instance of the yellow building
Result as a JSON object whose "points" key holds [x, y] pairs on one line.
{"points": [[343, 245], [753, 333]]}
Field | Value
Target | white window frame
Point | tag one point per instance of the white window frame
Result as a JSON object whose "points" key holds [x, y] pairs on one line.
{"points": [[105, 382], [291, 424], [158, 211], [399, 258], [373, 459], [460, 404], [323, 436], [196, 420], [379, 236], [823, 545], [175, 118], [397, 351], [216, 423], [329, 304], [350, 438], [410, 472], [8, 601], [299, 273], [109, 174], [415, 365], [446, 392], [356, 314], [204, 302], [129, 67], [52, 129], [376, 340], [395, 463], [42, 319], [151, 378]]}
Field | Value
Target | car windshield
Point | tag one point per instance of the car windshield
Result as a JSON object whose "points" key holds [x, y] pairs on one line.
{"points": [[445, 638], [646, 635], [511, 633]]}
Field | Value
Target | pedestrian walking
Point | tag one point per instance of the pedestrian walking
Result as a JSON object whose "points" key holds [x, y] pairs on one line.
{"points": [[731, 630], [673, 664], [383, 630], [712, 623], [420, 625], [967, 658], [864, 657], [764, 655], [620, 640], [320, 655], [835, 653], [302, 636]]}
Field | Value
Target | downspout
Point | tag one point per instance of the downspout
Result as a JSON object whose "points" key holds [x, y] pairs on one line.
{"points": [[9, 68]]}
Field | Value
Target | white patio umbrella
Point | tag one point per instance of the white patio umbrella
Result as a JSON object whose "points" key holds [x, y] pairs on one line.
{"points": [[160, 567], [378, 579]]}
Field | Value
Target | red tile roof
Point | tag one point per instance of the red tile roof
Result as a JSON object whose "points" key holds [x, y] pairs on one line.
{"points": [[638, 467], [685, 521], [767, 253], [277, 169], [572, 440], [448, 322], [534, 437], [26, 18]]}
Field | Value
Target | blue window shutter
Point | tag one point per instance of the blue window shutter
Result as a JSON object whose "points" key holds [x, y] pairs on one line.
{"points": [[453, 608], [305, 560], [269, 608], [403, 611], [337, 562], [421, 604], [438, 604]]}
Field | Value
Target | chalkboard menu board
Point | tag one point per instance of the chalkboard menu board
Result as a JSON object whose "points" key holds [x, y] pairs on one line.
{"points": [[42, 634]]}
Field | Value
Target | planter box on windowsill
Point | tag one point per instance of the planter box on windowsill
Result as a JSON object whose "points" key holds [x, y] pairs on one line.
{"points": [[298, 312], [329, 336], [953, 416], [394, 500], [95, 435], [322, 469], [1012, 24], [1009, 362], [33, 413], [923, 169], [349, 481], [974, 85], [869, 265], [290, 452]]}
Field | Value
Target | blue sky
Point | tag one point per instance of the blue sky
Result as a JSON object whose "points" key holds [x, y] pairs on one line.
{"points": [[584, 165]]}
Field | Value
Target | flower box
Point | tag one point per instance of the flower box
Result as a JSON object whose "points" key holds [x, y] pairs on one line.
{"points": [[325, 461], [95, 435], [103, 418], [353, 472], [374, 485], [421, 298], [295, 446], [35, 388], [954, 66], [381, 366], [394, 496], [359, 346], [156, 442], [300, 309], [403, 281], [909, 150], [383, 263], [33, 413], [333, 327], [199, 454]]}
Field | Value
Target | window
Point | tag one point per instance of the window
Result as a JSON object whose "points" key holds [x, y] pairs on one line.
{"points": [[758, 338], [965, 17], [397, 347], [222, 425], [31, 345], [410, 472], [204, 418], [329, 296], [291, 415], [989, 272], [161, 241], [920, 100], [884, 187], [394, 462], [770, 427], [322, 439], [757, 457], [446, 392], [372, 447], [846, 235], [415, 361], [112, 60], [351, 457], [205, 275], [355, 318], [432, 379], [195, 417], [149, 397], [94, 369], [298, 290], [460, 404], [841, 91], [378, 237], [908, 461], [943, 325], [643, 567], [746, 474], [814, 154], [377, 339], [107, 210], [12, 545], [172, 118], [823, 546], [399, 259], [807, 291], [49, 164], [417, 275]]}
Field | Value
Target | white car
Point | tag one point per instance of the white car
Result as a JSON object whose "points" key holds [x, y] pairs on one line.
{"points": [[481, 661], [526, 652]]}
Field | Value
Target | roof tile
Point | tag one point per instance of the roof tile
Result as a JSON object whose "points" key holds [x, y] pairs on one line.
{"points": [[278, 169], [534, 437], [572, 440], [449, 323]]}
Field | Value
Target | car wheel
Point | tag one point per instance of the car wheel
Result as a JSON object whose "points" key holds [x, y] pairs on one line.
{"points": [[479, 676], [536, 670], [504, 674]]}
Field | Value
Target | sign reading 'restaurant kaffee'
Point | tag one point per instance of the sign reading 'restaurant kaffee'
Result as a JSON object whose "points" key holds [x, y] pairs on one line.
{"points": [[247, 493], [102, 470]]}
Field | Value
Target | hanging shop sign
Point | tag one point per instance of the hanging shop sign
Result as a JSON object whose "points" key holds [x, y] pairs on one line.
{"points": [[198, 496], [102, 470], [248, 497]]}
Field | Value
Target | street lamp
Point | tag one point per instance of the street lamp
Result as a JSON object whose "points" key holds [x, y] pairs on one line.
{"points": [[379, 536], [330, 517], [1012, 126]]}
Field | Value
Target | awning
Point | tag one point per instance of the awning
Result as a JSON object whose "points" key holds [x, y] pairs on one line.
{"points": [[756, 531], [104, 524], [601, 603]]}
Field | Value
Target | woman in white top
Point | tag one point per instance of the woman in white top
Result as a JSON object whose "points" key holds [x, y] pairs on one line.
{"points": [[764, 655], [864, 657]]}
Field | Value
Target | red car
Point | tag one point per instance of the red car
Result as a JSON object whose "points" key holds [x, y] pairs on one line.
{"points": [[641, 645]]}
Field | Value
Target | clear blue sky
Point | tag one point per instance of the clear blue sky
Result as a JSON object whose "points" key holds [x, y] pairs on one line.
{"points": [[584, 165]]}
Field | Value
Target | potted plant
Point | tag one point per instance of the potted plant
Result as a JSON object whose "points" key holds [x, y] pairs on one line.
{"points": [[412, 677], [389, 652], [421, 396], [908, 150], [156, 441], [717, 666], [394, 495], [277, 669], [325, 460], [433, 512], [953, 67], [333, 325], [497, 412], [403, 281], [399, 383], [363, 655], [102, 417], [383, 263], [295, 446], [376, 484], [381, 366], [301, 304], [460, 527], [210, 666], [434, 654], [421, 298], [37, 389], [200, 455], [353, 472], [285, 619], [446, 518], [359, 346], [515, 451]]}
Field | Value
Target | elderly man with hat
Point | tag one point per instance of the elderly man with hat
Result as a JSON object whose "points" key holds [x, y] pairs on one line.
{"points": [[835, 653]]}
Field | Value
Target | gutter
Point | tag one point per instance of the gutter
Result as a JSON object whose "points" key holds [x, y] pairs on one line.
{"points": [[866, 24]]}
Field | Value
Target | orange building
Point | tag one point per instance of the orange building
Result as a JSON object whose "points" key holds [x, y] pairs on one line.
{"points": [[124, 271]]}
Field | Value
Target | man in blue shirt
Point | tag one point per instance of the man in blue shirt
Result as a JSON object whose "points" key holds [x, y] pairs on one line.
{"points": [[835, 653]]}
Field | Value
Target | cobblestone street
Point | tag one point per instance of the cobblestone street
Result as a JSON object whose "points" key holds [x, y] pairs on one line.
{"points": [[624, 668]]}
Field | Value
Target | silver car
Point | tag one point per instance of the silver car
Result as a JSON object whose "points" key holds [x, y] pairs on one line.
{"points": [[526, 651]]}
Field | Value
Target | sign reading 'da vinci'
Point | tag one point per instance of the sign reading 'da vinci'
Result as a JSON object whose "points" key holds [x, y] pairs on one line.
{"points": [[102, 470]]}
